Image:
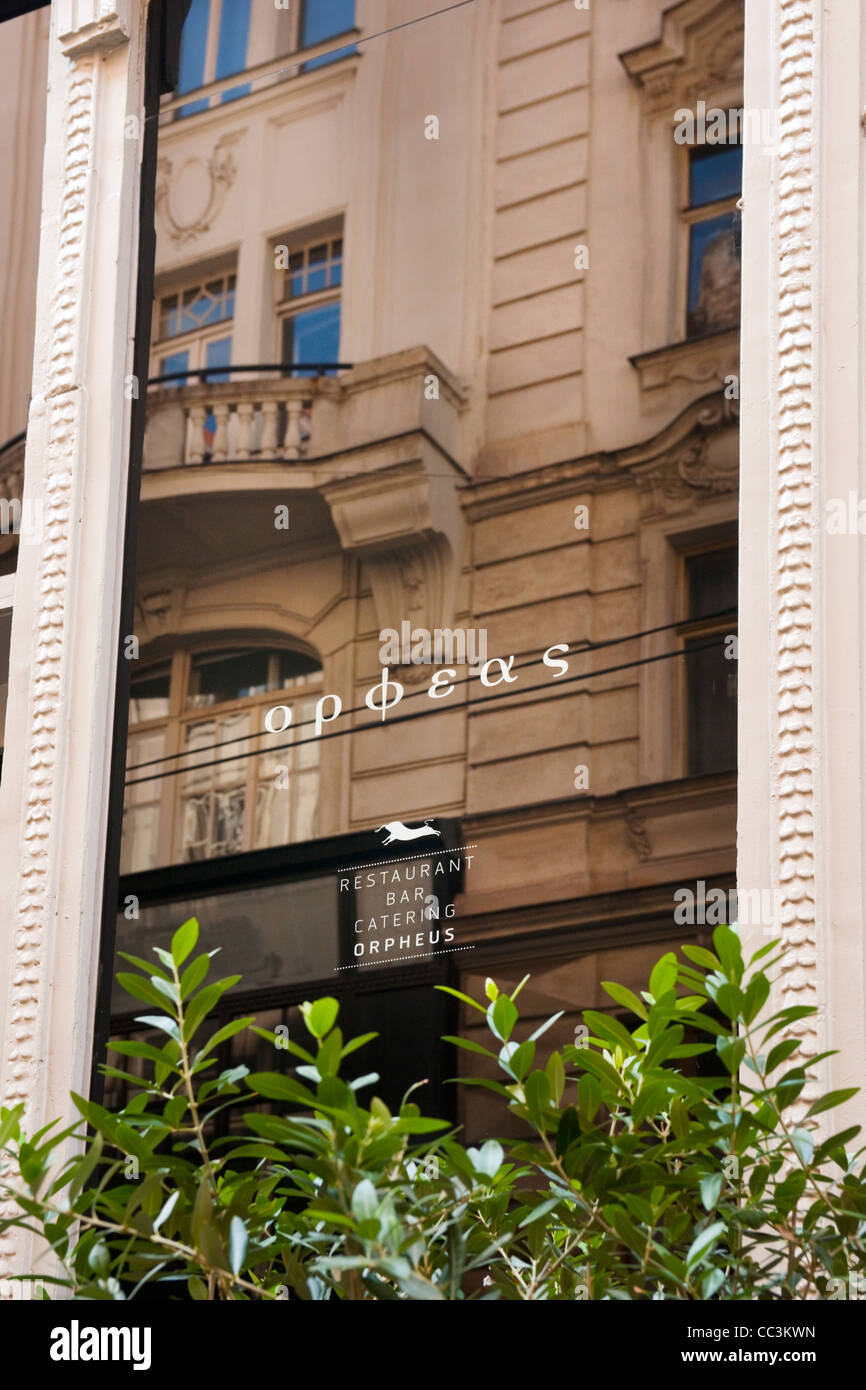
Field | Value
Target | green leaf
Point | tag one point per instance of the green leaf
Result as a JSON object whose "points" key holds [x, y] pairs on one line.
{"points": [[228, 1030], [142, 989], [204, 1001], [703, 1244], [831, 1100], [538, 1212], [365, 1201], [588, 1098], [468, 1045], [701, 956], [320, 1016], [757, 992], [464, 998], [502, 1016], [85, 1167], [727, 944], [238, 1242], [804, 1144], [166, 1210], [555, 1075], [626, 997], [711, 1188], [146, 965], [491, 989], [183, 941], [194, 974], [611, 1030], [663, 976], [536, 1088]]}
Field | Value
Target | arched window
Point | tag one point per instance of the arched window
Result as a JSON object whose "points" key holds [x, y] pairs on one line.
{"points": [[204, 778]]}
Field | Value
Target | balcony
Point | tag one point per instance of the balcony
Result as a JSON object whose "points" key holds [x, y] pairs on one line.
{"points": [[263, 416], [381, 443]]}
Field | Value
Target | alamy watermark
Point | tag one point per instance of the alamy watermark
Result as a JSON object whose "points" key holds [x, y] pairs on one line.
{"points": [[443, 646], [755, 907], [23, 520], [713, 125]]}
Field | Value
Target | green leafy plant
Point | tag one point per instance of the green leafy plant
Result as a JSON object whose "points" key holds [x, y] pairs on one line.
{"points": [[636, 1179]]}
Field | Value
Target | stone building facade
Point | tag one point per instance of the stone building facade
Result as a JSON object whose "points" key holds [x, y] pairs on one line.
{"points": [[504, 289]]}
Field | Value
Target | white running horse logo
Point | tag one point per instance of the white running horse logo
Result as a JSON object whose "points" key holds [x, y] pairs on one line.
{"points": [[398, 831]]}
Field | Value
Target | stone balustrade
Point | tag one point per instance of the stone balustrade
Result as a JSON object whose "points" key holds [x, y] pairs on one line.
{"points": [[231, 421]]}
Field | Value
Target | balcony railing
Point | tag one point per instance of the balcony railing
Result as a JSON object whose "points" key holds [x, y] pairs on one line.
{"points": [[258, 417]]}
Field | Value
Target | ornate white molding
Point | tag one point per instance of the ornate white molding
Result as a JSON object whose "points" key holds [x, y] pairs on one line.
{"points": [[53, 795], [698, 54], [796, 503], [691, 461], [220, 172]]}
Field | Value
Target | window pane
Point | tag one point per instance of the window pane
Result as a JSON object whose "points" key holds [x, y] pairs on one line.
{"points": [[218, 353], [712, 707], [139, 845], [296, 666], [175, 362], [714, 275], [213, 793], [312, 336], [234, 33], [148, 697], [712, 582], [220, 676], [193, 49], [168, 319], [193, 46], [324, 19], [262, 933], [715, 171]]}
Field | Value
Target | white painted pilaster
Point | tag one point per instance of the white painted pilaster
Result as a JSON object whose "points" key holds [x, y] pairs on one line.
{"points": [[802, 645], [67, 593]]}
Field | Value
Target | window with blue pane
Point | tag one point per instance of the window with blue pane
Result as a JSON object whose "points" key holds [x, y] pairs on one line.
{"points": [[714, 257], [322, 20], [194, 334], [309, 307], [214, 45]]}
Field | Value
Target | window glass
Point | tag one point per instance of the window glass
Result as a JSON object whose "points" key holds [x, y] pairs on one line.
{"points": [[217, 677], [712, 581], [261, 932], [218, 353], [313, 269], [711, 673], [714, 275], [324, 19], [312, 336], [712, 707], [193, 47], [715, 172], [234, 34], [149, 695]]}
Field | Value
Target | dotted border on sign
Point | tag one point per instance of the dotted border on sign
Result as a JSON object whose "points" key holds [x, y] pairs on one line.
{"points": [[380, 863], [449, 950]]}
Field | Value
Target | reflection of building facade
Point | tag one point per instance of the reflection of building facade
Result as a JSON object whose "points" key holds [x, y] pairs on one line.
{"points": [[484, 380]]}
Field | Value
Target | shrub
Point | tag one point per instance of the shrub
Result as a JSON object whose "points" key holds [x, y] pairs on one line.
{"points": [[636, 1180]]}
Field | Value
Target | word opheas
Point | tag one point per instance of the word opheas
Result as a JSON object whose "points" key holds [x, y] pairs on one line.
{"points": [[387, 693]]}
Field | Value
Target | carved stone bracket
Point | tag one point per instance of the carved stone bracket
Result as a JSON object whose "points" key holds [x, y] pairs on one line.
{"points": [[405, 526]]}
